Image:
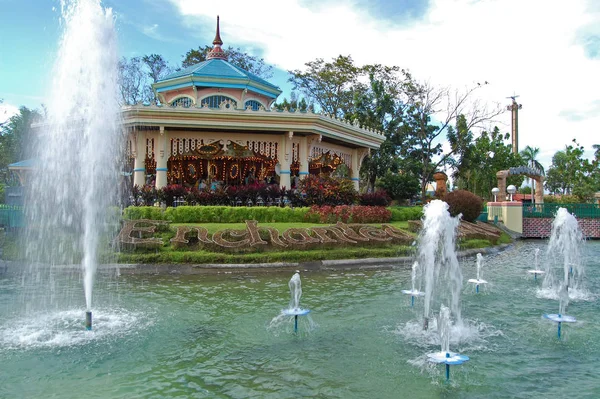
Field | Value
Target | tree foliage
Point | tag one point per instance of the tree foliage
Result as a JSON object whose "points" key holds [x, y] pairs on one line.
{"points": [[329, 85], [15, 135], [136, 76], [488, 154], [572, 174], [236, 56]]}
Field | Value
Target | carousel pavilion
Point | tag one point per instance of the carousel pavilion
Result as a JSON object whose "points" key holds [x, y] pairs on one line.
{"points": [[215, 123]]}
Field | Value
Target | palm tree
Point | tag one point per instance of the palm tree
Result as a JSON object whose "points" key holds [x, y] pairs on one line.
{"points": [[529, 154]]}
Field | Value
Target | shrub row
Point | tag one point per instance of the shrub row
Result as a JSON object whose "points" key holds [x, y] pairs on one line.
{"points": [[402, 214], [228, 214], [312, 190], [217, 214], [349, 214]]}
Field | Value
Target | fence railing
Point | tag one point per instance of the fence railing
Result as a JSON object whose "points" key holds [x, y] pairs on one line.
{"points": [[11, 216], [580, 211]]}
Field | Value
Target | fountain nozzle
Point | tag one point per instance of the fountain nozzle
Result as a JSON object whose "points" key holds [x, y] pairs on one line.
{"points": [[88, 320], [426, 324]]}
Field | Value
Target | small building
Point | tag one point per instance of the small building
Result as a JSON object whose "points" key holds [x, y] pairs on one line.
{"points": [[214, 122]]}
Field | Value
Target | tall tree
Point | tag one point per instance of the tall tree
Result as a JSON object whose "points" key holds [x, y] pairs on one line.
{"points": [[381, 106], [330, 85], [157, 67], [571, 173], [489, 153], [133, 81], [423, 137], [236, 56]]}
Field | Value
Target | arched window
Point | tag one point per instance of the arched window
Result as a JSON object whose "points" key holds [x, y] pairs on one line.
{"points": [[184, 102], [253, 104], [215, 101]]}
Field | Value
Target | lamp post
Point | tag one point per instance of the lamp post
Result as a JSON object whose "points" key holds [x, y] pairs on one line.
{"points": [[511, 190], [495, 192]]}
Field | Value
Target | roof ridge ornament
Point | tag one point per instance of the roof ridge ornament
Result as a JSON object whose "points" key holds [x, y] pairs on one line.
{"points": [[217, 52]]}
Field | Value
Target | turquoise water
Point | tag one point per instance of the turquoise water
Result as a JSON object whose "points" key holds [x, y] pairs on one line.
{"points": [[208, 336]]}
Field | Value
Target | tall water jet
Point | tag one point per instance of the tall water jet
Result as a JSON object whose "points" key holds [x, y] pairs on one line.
{"points": [[565, 244], [78, 147], [437, 257]]}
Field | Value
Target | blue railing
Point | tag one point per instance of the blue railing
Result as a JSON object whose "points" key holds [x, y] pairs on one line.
{"points": [[11, 216], [580, 211]]}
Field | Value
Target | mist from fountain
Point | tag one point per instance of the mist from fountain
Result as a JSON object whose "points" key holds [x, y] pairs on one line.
{"points": [[441, 271], [564, 269], [78, 149]]}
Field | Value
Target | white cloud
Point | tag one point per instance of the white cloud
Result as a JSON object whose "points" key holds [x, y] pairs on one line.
{"points": [[531, 48], [6, 111]]}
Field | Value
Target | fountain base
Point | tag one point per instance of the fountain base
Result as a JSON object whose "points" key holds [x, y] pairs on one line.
{"points": [[560, 318], [448, 358], [88, 320]]}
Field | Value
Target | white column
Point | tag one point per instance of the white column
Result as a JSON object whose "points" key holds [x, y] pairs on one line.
{"points": [[355, 169], [285, 156], [162, 156], [303, 157], [139, 166]]}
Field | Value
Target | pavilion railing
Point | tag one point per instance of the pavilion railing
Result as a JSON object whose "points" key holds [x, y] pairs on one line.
{"points": [[580, 211], [11, 216]]}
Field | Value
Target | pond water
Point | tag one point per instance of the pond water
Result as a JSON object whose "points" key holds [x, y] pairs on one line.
{"points": [[211, 336]]}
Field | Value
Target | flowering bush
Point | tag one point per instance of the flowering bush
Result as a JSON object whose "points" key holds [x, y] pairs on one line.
{"points": [[169, 193], [326, 190], [348, 214], [144, 196], [378, 198]]}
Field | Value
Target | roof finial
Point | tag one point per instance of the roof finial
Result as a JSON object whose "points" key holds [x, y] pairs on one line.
{"points": [[217, 52], [218, 35]]}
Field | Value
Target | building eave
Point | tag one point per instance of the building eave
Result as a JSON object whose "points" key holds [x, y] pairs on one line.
{"points": [[247, 120]]}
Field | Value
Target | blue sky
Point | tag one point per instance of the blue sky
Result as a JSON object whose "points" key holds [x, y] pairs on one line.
{"points": [[548, 51]]}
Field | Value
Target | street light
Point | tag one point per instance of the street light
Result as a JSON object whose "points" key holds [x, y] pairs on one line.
{"points": [[495, 192], [511, 190]]}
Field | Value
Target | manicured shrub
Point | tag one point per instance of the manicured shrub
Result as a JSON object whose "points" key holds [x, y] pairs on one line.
{"points": [[378, 198], [404, 213], [465, 202]]}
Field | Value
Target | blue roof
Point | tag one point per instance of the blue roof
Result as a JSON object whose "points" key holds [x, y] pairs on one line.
{"points": [[218, 68]]}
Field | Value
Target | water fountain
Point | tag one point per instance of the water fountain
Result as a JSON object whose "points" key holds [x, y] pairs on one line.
{"points": [[294, 308], [565, 244], [413, 292], [78, 150], [437, 256], [445, 356], [478, 281], [537, 270]]}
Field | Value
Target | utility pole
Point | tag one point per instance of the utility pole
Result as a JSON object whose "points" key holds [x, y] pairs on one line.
{"points": [[514, 108]]}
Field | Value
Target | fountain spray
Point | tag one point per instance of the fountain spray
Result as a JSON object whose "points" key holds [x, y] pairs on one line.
{"points": [[437, 257], [445, 356], [79, 146], [565, 243]]}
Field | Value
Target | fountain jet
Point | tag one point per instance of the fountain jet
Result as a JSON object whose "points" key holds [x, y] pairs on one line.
{"points": [[437, 259]]}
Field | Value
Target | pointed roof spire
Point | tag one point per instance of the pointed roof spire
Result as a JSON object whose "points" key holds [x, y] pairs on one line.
{"points": [[218, 35], [217, 52]]}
